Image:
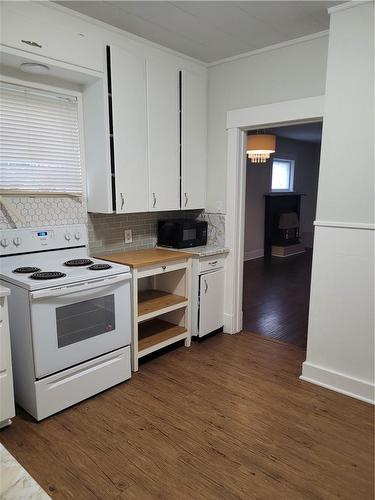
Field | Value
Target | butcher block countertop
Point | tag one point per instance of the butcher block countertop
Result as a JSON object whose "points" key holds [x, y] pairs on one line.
{"points": [[148, 257]]}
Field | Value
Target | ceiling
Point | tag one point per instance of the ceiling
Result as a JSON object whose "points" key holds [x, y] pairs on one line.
{"points": [[310, 132], [211, 30]]}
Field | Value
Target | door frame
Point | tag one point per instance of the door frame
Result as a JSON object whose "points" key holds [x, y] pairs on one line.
{"points": [[239, 121]]}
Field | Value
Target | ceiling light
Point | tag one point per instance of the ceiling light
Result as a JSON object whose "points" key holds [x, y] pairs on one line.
{"points": [[260, 147], [36, 68]]}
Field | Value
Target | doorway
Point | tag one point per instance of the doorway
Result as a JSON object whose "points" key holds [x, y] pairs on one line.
{"points": [[306, 110], [280, 206]]}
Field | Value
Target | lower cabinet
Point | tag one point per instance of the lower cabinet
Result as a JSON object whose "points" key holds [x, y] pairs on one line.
{"points": [[207, 294], [211, 302], [7, 410]]}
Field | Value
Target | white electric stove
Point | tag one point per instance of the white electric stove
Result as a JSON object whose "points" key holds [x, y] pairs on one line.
{"points": [[70, 317]]}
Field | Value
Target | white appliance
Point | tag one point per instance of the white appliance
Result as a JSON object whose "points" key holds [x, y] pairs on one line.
{"points": [[69, 315]]}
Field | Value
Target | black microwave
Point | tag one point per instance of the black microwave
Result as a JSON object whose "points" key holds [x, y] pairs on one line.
{"points": [[182, 233]]}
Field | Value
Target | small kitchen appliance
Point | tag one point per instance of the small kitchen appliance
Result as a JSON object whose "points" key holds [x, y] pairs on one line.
{"points": [[69, 315], [182, 233]]}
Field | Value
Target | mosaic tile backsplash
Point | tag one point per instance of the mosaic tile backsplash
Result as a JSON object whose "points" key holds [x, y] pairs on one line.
{"points": [[35, 211], [105, 231]]}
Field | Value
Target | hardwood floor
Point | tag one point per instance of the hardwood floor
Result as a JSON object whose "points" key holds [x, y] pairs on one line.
{"points": [[226, 419], [276, 297]]}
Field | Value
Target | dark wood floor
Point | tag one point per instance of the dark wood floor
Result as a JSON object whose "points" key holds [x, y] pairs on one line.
{"points": [[226, 419], [276, 297]]}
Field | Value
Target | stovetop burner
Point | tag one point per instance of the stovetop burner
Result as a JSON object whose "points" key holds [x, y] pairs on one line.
{"points": [[26, 270], [78, 262], [99, 267], [47, 275]]}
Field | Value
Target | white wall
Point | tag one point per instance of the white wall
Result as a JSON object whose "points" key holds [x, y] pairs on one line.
{"points": [[340, 349], [258, 182], [287, 73]]}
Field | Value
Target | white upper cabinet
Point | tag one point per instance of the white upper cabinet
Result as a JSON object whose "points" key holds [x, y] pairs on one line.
{"points": [[40, 33], [163, 135], [128, 100], [194, 140]]}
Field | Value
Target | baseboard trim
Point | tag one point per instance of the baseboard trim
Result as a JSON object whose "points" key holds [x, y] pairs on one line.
{"points": [[254, 254], [338, 382], [228, 324]]}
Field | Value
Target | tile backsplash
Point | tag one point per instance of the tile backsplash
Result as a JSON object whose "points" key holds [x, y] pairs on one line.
{"points": [[33, 211], [106, 231]]}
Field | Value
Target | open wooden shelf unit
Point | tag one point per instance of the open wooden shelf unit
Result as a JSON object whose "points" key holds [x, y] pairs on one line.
{"points": [[161, 300]]}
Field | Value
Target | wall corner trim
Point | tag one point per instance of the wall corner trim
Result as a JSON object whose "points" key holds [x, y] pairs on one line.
{"points": [[338, 382], [345, 225]]}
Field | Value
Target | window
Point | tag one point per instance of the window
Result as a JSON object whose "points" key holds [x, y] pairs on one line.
{"points": [[39, 142], [282, 175]]}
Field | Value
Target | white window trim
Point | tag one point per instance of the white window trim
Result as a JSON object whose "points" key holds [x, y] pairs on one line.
{"points": [[284, 157], [59, 90]]}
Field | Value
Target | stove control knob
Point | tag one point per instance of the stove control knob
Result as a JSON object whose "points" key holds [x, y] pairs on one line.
{"points": [[17, 241], [4, 242], [77, 236], [68, 236]]}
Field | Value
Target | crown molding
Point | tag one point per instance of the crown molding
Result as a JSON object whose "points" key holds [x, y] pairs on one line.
{"points": [[277, 46], [348, 5], [145, 41]]}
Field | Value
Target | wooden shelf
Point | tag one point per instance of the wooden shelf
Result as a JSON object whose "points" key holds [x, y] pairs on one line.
{"points": [[157, 333], [154, 302]]}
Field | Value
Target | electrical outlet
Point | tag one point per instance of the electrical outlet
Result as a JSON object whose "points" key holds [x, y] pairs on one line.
{"points": [[128, 236]]}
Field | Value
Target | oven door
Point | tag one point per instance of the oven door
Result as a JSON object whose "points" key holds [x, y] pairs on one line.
{"points": [[78, 322]]}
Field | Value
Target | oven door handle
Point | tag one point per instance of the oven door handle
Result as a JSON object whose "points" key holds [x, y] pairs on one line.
{"points": [[79, 287]]}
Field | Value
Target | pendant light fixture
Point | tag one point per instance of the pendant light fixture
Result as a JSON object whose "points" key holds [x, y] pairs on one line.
{"points": [[260, 147]]}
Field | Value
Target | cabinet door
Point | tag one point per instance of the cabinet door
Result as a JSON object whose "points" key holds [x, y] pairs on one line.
{"points": [[211, 313], [128, 85], [194, 140], [33, 28], [163, 135], [6, 379]]}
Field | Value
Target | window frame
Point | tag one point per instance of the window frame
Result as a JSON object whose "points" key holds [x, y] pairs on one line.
{"points": [[291, 161], [58, 90]]}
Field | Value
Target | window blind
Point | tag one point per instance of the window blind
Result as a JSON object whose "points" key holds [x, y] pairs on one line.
{"points": [[39, 142]]}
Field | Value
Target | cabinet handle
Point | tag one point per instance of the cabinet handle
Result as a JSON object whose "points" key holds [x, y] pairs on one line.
{"points": [[186, 199], [213, 263], [164, 267], [122, 200], [206, 286], [154, 200], [33, 44]]}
